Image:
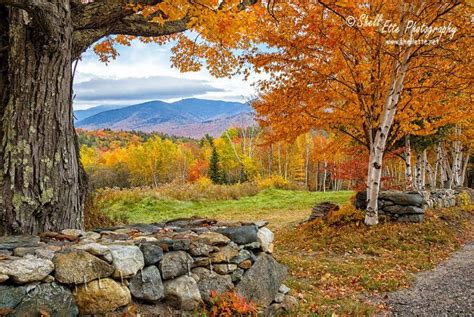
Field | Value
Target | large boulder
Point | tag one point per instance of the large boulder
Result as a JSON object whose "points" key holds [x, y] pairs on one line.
{"points": [[77, 267], [175, 263], [52, 299], [241, 235], [147, 284], [213, 282], [127, 260], [261, 282], [101, 296], [27, 269], [182, 293]]}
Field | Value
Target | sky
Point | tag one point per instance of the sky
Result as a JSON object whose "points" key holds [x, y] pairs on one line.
{"points": [[142, 72]]}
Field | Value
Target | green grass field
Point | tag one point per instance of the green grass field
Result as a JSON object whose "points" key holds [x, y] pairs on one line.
{"points": [[270, 204]]}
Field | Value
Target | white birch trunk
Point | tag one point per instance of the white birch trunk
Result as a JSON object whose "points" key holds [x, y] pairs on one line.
{"points": [[378, 148], [464, 169]]}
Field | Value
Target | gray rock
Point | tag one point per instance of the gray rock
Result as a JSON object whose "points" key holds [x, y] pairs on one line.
{"points": [[145, 228], [279, 298], [250, 246], [11, 296], [3, 278], [127, 260], [261, 282], [224, 268], [237, 275], [54, 299], [174, 244], [395, 197], [284, 289], [200, 272], [101, 296], [147, 284], [198, 248], [27, 269], [76, 233], [402, 210], [96, 249], [410, 218], [225, 254], [213, 238], [77, 267], [91, 235], [214, 282], [12, 242], [152, 253], [175, 263], [242, 256], [201, 261], [241, 235], [265, 237], [182, 293]]}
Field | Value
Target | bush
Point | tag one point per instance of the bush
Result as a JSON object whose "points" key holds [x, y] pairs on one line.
{"points": [[346, 214], [230, 304], [463, 199], [200, 190], [276, 182], [95, 218]]}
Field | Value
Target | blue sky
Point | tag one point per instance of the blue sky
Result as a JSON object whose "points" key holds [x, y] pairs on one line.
{"points": [[143, 72]]}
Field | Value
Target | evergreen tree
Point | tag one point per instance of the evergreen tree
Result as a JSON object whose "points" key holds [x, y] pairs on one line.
{"points": [[214, 171]]}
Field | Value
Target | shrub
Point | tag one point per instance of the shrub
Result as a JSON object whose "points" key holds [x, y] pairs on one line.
{"points": [[463, 199], [346, 214], [230, 304], [95, 218], [276, 182]]}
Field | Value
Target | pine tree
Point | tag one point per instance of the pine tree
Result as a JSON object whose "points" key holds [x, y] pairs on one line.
{"points": [[214, 171]]}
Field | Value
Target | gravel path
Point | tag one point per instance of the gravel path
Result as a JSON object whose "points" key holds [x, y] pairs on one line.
{"points": [[448, 290]]}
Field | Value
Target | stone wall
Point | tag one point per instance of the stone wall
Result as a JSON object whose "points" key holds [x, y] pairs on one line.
{"points": [[442, 198], [396, 205], [410, 206], [156, 269]]}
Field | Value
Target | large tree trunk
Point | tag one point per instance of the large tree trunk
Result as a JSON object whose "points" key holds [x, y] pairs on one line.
{"points": [[42, 182]]}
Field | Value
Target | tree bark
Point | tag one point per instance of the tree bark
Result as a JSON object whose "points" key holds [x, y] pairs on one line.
{"points": [[380, 141], [407, 158], [42, 184]]}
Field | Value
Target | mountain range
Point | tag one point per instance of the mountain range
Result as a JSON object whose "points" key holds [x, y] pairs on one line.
{"points": [[188, 117]]}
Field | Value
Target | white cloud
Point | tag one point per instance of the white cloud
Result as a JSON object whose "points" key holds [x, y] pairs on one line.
{"points": [[132, 71]]}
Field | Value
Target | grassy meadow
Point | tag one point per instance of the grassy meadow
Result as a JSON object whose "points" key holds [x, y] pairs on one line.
{"points": [[337, 266], [277, 206]]}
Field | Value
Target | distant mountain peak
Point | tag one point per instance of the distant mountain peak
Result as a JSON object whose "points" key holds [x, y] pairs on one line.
{"points": [[191, 117]]}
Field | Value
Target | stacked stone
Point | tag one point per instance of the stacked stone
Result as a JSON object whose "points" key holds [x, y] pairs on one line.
{"points": [[443, 198], [161, 268], [396, 205]]}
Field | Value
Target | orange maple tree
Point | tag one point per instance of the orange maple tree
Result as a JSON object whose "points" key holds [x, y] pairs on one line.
{"points": [[370, 69]]}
